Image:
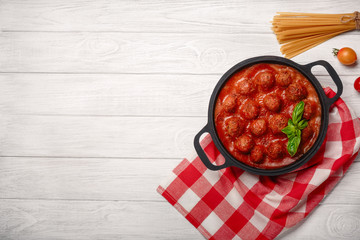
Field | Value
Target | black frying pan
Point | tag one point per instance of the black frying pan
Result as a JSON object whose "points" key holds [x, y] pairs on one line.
{"points": [[324, 101]]}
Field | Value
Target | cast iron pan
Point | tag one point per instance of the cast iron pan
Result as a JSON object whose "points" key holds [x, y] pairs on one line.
{"points": [[324, 101]]}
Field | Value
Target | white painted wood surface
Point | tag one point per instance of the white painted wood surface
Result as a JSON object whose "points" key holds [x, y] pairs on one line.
{"points": [[99, 100]]}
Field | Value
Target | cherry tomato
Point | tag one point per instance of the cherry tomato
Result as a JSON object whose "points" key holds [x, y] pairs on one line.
{"points": [[346, 55], [357, 84]]}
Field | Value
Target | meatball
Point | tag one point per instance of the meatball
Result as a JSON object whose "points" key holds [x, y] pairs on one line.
{"points": [[240, 99], [234, 126], [245, 86], [296, 92], [308, 109], [306, 133], [265, 80], [277, 123], [229, 103], [284, 77], [250, 109], [275, 150], [244, 143], [272, 103], [258, 127], [257, 154]]}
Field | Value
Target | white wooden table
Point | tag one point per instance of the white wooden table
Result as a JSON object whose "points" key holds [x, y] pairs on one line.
{"points": [[99, 100]]}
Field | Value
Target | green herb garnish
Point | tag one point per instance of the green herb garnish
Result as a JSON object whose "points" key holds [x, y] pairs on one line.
{"points": [[294, 127]]}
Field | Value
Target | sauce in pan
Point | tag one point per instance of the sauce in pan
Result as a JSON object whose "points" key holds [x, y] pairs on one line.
{"points": [[253, 107]]}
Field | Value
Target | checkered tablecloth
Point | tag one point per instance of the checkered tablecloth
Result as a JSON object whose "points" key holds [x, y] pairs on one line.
{"points": [[233, 204]]}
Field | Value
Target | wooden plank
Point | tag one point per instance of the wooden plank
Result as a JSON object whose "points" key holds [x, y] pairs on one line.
{"points": [[83, 178], [133, 137], [128, 16], [333, 221], [112, 179], [78, 220], [148, 52], [110, 95], [120, 95]]}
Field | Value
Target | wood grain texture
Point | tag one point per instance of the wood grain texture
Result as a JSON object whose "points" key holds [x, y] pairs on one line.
{"points": [[80, 220], [126, 137], [153, 16], [84, 178], [168, 53], [99, 100], [121, 94], [106, 95], [112, 179], [133, 220]]}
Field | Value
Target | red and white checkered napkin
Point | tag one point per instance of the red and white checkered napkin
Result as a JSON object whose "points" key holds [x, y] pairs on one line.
{"points": [[233, 204]]}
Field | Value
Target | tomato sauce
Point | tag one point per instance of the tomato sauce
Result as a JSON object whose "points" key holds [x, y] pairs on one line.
{"points": [[255, 104]]}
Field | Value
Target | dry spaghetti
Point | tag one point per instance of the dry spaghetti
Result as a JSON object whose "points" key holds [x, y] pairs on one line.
{"points": [[299, 32]]}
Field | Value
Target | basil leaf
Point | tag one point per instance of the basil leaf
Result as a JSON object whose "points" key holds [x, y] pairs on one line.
{"points": [[293, 145], [290, 122], [298, 112], [302, 124], [294, 127], [289, 130]]}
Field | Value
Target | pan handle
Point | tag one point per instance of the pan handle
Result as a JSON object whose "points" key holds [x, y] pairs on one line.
{"points": [[202, 155], [333, 75]]}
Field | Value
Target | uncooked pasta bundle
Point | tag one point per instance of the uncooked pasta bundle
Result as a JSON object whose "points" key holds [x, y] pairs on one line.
{"points": [[299, 32]]}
